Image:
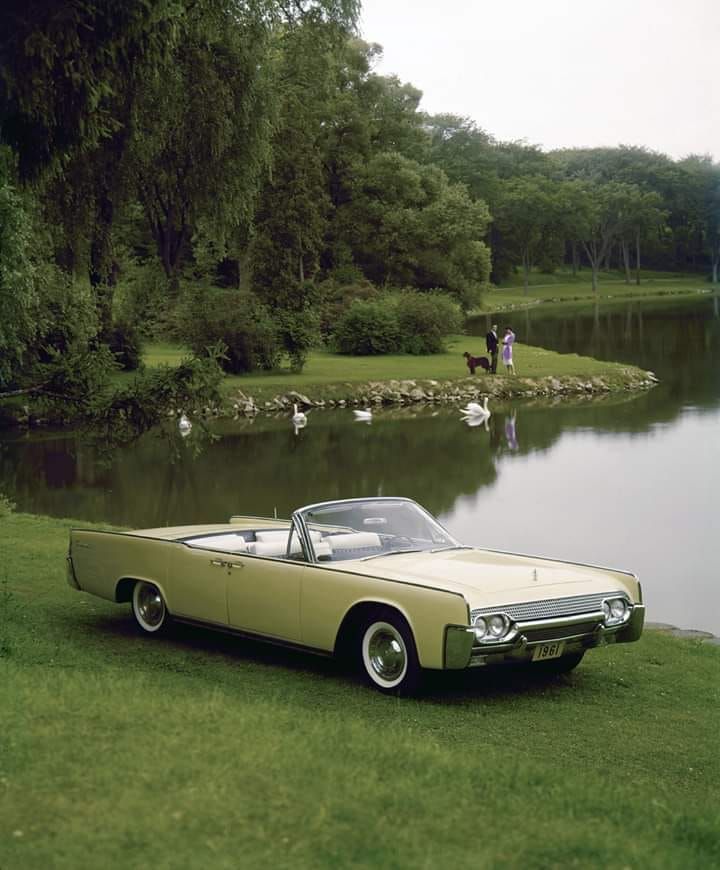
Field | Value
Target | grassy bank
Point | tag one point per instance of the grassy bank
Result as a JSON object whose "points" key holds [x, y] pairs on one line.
{"points": [[204, 751], [334, 376], [562, 287]]}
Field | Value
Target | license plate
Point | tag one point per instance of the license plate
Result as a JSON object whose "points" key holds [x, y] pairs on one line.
{"points": [[548, 651]]}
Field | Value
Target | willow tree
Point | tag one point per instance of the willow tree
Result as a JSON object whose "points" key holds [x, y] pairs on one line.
{"points": [[292, 216], [202, 129], [62, 66]]}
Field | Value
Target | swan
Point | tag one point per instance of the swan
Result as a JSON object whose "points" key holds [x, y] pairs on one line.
{"points": [[477, 420], [474, 409], [298, 418], [363, 415], [184, 425]]}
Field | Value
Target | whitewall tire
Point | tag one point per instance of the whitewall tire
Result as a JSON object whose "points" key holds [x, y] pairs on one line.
{"points": [[148, 607], [387, 653]]}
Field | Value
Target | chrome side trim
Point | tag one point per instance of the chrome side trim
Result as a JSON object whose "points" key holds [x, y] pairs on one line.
{"points": [[251, 635]]}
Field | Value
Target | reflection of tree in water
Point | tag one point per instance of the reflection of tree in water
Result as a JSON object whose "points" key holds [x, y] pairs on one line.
{"points": [[260, 468], [424, 453], [679, 341]]}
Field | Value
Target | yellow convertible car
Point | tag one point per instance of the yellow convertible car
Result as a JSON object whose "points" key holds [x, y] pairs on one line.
{"points": [[376, 579]]}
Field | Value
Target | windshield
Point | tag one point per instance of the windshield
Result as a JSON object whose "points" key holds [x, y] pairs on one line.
{"points": [[364, 528]]}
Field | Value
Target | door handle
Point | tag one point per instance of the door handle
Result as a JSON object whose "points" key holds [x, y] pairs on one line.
{"points": [[235, 565], [218, 563]]}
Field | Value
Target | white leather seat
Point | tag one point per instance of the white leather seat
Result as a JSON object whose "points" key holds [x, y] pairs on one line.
{"points": [[272, 535], [231, 542], [276, 548], [354, 541]]}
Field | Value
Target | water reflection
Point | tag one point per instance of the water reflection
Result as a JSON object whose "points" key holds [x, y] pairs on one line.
{"points": [[678, 340], [258, 465], [622, 480]]}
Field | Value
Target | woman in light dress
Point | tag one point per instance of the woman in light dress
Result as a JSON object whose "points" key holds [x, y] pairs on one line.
{"points": [[507, 352]]}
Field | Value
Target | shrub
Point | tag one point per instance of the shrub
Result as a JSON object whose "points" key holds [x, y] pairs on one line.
{"points": [[238, 320], [124, 342], [6, 506], [424, 319], [407, 322], [142, 298], [299, 332], [369, 327], [338, 297]]}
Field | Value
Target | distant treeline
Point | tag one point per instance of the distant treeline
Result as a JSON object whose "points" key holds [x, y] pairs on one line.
{"points": [[151, 152]]}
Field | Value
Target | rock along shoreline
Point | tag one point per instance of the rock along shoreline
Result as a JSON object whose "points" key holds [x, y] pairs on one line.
{"points": [[428, 391]]}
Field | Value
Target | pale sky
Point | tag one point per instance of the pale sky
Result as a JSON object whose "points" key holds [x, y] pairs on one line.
{"points": [[562, 73]]}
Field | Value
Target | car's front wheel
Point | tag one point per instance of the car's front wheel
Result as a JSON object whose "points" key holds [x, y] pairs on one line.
{"points": [[148, 607], [387, 653]]}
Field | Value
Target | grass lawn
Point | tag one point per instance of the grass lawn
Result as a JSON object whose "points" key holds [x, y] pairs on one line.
{"points": [[562, 287], [330, 373], [200, 750]]}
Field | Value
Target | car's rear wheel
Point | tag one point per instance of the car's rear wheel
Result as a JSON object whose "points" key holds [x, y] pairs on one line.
{"points": [[387, 653], [148, 607], [552, 668]]}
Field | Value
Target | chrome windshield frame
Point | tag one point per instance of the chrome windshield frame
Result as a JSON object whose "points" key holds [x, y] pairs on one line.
{"points": [[299, 522]]}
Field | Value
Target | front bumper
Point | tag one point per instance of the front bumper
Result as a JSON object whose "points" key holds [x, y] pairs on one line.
{"points": [[578, 633]]}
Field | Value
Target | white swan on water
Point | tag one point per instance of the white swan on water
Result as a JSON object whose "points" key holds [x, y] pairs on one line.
{"points": [[363, 415], [298, 418], [474, 409], [184, 425]]}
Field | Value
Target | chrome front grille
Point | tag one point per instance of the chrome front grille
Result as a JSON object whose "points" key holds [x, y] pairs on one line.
{"points": [[550, 608]]}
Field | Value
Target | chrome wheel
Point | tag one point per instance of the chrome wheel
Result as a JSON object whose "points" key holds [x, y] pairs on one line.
{"points": [[384, 654], [148, 607]]}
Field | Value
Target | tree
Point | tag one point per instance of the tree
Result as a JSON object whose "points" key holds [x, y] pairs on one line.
{"points": [[202, 130], [528, 215], [18, 290], [292, 215], [713, 233], [62, 66], [410, 226], [642, 212], [599, 218]]}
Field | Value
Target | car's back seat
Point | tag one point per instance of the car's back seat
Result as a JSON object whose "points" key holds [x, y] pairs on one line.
{"points": [[232, 543]]}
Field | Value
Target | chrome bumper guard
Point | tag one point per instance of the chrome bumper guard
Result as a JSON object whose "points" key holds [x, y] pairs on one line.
{"points": [[461, 650]]}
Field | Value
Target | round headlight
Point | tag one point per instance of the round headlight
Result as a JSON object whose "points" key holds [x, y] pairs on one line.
{"points": [[606, 610], [480, 627], [496, 624], [617, 608]]}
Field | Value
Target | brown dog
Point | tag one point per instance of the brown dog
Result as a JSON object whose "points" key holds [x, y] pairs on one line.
{"points": [[474, 361]]}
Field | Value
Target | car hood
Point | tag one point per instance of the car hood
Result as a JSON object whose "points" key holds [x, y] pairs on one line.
{"points": [[487, 577]]}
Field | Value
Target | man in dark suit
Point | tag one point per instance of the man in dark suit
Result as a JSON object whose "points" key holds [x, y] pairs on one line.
{"points": [[491, 342]]}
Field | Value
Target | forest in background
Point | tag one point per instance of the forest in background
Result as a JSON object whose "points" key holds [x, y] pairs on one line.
{"points": [[235, 175]]}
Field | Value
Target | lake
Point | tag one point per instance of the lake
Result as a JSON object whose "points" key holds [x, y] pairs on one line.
{"points": [[626, 481]]}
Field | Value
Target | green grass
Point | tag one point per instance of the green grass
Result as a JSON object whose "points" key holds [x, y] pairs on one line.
{"points": [[562, 287], [204, 751], [329, 374]]}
